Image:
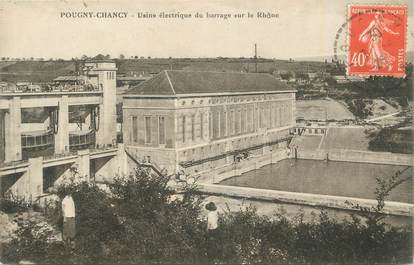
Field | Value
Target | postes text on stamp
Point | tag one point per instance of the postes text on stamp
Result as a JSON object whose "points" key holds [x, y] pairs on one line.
{"points": [[377, 40]]}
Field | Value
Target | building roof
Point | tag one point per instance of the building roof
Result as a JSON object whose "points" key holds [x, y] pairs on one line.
{"points": [[132, 78], [178, 82], [69, 78]]}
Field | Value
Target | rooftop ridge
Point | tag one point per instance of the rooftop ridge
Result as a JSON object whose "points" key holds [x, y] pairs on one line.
{"points": [[217, 72], [179, 82], [169, 81]]}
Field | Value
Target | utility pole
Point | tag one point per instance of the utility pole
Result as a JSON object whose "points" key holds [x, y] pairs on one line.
{"points": [[255, 58]]}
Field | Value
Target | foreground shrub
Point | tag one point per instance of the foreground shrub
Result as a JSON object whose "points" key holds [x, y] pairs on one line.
{"points": [[36, 242], [141, 220], [156, 228]]}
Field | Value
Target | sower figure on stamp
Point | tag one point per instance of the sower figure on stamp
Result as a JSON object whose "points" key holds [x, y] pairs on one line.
{"points": [[378, 57], [68, 210]]}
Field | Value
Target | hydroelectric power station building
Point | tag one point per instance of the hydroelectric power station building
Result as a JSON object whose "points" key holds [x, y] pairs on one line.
{"points": [[177, 121], [47, 130], [201, 122]]}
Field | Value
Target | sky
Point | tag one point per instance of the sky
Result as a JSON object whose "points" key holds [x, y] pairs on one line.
{"points": [[303, 28]]}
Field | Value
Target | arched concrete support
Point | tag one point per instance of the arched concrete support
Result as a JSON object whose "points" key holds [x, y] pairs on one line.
{"points": [[13, 136], [28, 185], [106, 168]]}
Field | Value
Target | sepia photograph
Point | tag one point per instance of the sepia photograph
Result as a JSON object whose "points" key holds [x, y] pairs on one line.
{"points": [[206, 132]]}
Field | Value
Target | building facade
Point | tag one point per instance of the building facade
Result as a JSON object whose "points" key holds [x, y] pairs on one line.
{"points": [[203, 120], [45, 133]]}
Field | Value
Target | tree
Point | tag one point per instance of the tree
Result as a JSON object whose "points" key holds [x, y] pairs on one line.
{"points": [[121, 56], [99, 57]]}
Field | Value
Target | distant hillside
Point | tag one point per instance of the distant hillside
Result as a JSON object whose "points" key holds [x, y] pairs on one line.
{"points": [[43, 71], [35, 71]]}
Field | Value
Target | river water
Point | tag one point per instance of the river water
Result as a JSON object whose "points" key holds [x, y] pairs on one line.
{"points": [[325, 177]]}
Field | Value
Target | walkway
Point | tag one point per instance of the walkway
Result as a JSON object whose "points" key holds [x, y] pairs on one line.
{"points": [[383, 117]]}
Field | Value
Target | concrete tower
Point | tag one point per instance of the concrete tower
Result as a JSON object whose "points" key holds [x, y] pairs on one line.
{"points": [[102, 73]]}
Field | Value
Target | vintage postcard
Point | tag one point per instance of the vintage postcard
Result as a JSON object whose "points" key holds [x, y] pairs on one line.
{"points": [[206, 132]]}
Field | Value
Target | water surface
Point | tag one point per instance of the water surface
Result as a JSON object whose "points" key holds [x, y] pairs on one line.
{"points": [[321, 177]]}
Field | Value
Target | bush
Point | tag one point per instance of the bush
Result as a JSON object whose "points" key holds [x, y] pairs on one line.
{"points": [[157, 228], [13, 205], [35, 242], [140, 221]]}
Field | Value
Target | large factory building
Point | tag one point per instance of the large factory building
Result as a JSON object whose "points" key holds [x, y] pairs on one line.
{"points": [[199, 121]]}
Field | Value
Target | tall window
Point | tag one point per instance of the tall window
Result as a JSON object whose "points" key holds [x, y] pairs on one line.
{"points": [[147, 130], [271, 125], [201, 125], [161, 129], [280, 117], [259, 112], [210, 125], [183, 128], [192, 128], [223, 124], [134, 129], [216, 124], [249, 119], [233, 122], [238, 121], [243, 121]]}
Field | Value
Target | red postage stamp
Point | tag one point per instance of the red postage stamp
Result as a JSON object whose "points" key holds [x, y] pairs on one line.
{"points": [[377, 40]]}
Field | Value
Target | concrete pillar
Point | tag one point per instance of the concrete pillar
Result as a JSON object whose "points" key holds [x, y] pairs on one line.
{"points": [[2, 138], [62, 136], [83, 162], [122, 160], [35, 177], [13, 138]]}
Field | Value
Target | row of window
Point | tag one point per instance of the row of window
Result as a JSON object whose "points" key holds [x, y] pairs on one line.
{"points": [[220, 123], [234, 122], [153, 126], [193, 132], [110, 75]]}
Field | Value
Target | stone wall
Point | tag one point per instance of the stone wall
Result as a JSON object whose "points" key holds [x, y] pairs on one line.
{"points": [[356, 156], [220, 173], [335, 202]]}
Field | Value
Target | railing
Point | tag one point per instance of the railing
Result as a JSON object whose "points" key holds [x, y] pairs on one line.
{"points": [[236, 152], [81, 140], [61, 155], [13, 163], [37, 141], [48, 89], [101, 148]]}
